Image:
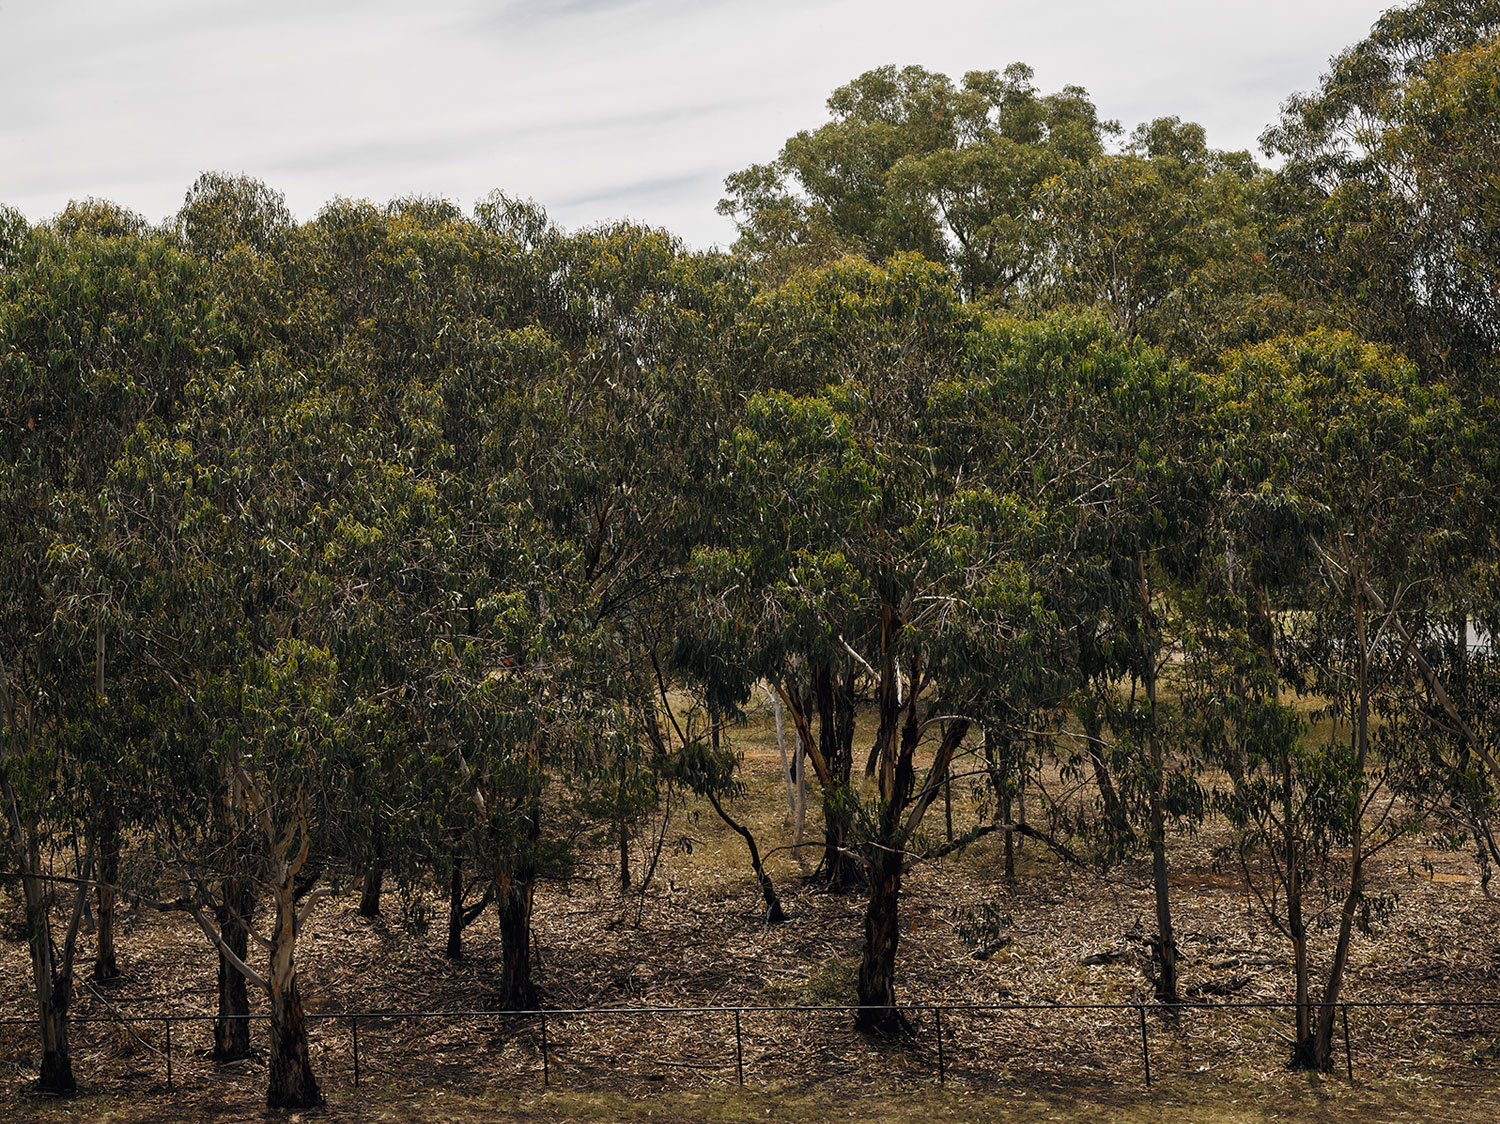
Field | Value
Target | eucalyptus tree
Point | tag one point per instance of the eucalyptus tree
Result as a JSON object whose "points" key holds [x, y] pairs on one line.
{"points": [[104, 325], [13, 232], [912, 162], [1386, 187], [871, 526], [242, 233], [1164, 238], [1337, 455], [387, 304], [1114, 439], [268, 768]]}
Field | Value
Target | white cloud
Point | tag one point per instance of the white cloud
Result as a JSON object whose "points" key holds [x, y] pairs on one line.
{"points": [[599, 109]]}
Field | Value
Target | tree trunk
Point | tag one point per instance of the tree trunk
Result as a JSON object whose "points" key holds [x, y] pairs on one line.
{"points": [[1303, 1054], [775, 915], [788, 769], [292, 1084], [1166, 946], [54, 993], [106, 963], [623, 838], [232, 1023], [57, 1061], [1321, 1054], [52, 975], [369, 896], [877, 969], [999, 767], [1121, 836], [455, 947], [799, 817], [513, 901], [841, 870]]}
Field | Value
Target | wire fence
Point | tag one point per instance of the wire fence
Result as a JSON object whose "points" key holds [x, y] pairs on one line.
{"points": [[927, 1038]]}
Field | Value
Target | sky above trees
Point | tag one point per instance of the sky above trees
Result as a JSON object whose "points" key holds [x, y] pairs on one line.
{"points": [[598, 109]]}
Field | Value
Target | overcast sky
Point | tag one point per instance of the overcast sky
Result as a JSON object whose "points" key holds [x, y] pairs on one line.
{"points": [[598, 109]]}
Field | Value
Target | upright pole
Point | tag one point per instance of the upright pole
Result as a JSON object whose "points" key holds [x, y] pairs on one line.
{"points": [[942, 1065], [546, 1075], [354, 1028], [1145, 1047], [169, 1055], [739, 1048], [1348, 1054]]}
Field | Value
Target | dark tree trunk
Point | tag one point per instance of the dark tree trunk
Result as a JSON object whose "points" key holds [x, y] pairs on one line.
{"points": [[835, 701], [57, 1062], [1121, 836], [1319, 1053], [513, 902], [232, 1023], [998, 764], [369, 895], [623, 839], [106, 963], [292, 1084], [775, 915], [52, 974], [53, 1001], [1010, 843], [877, 969], [515, 897], [455, 947]]}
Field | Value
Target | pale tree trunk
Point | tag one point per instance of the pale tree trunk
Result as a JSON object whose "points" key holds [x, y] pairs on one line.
{"points": [[787, 768], [292, 1084]]}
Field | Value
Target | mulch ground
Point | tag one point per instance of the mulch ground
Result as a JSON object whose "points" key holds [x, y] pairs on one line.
{"points": [[1060, 935]]}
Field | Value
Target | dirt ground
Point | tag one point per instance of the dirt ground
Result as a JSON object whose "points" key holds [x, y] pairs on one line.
{"points": [[697, 937]]}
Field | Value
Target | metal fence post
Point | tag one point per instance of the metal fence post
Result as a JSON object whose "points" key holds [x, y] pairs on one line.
{"points": [[169, 1055], [942, 1065], [546, 1075], [354, 1029], [1348, 1054], [739, 1048], [1145, 1048]]}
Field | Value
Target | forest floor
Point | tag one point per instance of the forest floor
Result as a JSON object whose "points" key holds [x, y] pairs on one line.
{"points": [[696, 937]]}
